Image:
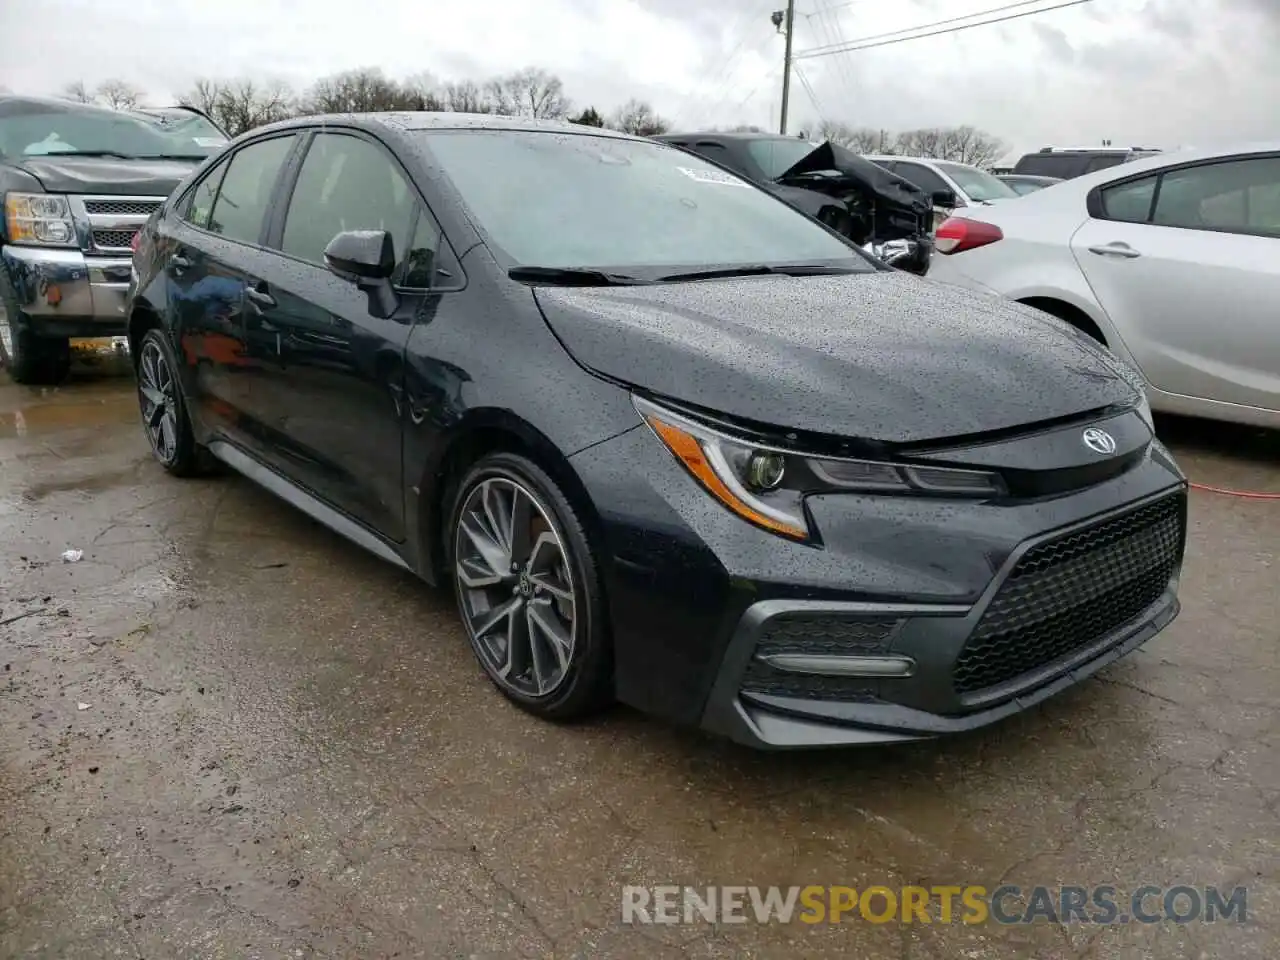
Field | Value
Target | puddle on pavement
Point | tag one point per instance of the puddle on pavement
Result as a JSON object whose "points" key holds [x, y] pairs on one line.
{"points": [[25, 412]]}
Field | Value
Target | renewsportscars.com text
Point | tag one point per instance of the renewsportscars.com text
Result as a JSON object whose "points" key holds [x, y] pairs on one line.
{"points": [[1008, 904]]}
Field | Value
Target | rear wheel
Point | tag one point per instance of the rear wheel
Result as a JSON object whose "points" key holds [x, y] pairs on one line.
{"points": [[528, 589], [164, 412]]}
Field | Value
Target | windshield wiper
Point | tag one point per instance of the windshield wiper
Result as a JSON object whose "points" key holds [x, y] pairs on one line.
{"points": [[172, 156], [574, 277], [78, 153], [761, 269]]}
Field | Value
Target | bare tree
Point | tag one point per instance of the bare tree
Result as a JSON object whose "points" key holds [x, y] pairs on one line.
{"points": [[364, 90], [531, 92], [244, 104], [203, 96], [118, 95], [639, 118], [78, 92], [465, 96], [857, 139], [972, 146], [421, 91]]}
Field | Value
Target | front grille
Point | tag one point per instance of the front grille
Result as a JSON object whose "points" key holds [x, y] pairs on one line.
{"points": [[817, 635], [1071, 592], [113, 239], [141, 208]]}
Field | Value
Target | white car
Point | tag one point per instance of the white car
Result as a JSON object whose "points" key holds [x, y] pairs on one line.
{"points": [[1172, 261], [970, 185]]}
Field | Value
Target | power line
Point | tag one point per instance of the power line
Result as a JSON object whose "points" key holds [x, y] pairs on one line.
{"points": [[938, 23], [879, 40], [808, 89], [831, 27]]}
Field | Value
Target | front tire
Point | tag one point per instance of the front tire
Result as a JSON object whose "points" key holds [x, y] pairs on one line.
{"points": [[31, 359], [164, 411], [528, 589]]}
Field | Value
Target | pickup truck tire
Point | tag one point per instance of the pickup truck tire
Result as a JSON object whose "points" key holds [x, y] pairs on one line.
{"points": [[32, 359]]}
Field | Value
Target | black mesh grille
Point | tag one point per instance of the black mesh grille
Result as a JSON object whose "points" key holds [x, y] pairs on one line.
{"points": [[816, 635], [1073, 591], [142, 208], [113, 239]]}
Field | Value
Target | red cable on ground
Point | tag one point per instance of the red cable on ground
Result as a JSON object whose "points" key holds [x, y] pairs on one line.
{"points": [[1244, 494]]}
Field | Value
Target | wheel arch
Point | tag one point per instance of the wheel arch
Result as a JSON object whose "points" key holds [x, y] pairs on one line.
{"points": [[1069, 312], [480, 433]]}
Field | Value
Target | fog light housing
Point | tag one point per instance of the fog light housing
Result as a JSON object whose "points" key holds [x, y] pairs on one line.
{"points": [[765, 470]]}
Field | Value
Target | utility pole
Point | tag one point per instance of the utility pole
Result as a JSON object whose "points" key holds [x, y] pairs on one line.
{"points": [[789, 18]]}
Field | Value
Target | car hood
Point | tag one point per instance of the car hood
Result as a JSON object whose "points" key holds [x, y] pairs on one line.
{"points": [[861, 174], [880, 357], [139, 178]]}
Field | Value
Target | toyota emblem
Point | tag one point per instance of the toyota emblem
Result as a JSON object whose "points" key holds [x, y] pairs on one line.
{"points": [[1099, 441]]}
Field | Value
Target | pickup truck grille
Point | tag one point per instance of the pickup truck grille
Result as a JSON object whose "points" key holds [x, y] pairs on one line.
{"points": [[141, 208], [112, 221]]}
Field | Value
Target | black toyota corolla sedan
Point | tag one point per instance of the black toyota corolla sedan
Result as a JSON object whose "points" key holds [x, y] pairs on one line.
{"points": [[669, 440]]}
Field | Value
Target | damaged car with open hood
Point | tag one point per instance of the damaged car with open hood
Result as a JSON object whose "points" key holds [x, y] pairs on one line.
{"points": [[888, 216]]}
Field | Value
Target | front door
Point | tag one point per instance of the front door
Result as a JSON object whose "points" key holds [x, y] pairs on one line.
{"points": [[1187, 265], [331, 397]]}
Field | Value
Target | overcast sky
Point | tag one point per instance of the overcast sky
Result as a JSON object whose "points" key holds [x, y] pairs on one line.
{"points": [[1162, 72]]}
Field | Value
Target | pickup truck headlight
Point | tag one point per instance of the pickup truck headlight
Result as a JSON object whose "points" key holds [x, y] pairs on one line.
{"points": [[767, 486], [39, 219]]}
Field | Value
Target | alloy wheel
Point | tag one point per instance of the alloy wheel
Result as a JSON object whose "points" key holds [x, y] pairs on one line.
{"points": [[157, 393], [6, 338], [515, 587]]}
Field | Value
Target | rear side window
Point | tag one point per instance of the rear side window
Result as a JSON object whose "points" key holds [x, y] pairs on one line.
{"points": [[922, 177], [242, 202], [1238, 196], [1104, 162], [347, 183], [200, 202], [1130, 202], [1050, 165]]}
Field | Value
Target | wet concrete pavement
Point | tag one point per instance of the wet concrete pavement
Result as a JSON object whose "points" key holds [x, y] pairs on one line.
{"points": [[225, 732]]}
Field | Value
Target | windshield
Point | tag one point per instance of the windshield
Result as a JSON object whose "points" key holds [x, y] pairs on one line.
{"points": [[776, 155], [553, 199], [46, 130], [977, 184]]}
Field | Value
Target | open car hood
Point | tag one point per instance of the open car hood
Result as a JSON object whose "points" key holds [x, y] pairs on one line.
{"points": [[863, 174]]}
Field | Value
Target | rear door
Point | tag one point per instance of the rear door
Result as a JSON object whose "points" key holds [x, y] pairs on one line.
{"points": [[1187, 264], [218, 226], [333, 401]]}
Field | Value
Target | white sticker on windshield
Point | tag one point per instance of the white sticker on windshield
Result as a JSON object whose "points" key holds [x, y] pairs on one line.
{"points": [[209, 141], [711, 175]]}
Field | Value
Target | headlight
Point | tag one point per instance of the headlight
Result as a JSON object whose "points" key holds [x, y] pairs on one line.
{"points": [[767, 486], [38, 218]]}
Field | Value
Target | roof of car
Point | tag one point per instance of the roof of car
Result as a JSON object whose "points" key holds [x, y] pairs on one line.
{"points": [[11, 105], [434, 120], [724, 135]]}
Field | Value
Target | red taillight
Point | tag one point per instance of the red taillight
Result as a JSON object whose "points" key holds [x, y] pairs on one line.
{"points": [[956, 235], [137, 239]]}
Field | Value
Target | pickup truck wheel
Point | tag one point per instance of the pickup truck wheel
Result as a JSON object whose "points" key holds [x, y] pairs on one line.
{"points": [[32, 359]]}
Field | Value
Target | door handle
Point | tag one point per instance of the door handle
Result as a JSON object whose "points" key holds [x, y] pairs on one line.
{"points": [[179, 263], [1122, 250], [260, 297]]}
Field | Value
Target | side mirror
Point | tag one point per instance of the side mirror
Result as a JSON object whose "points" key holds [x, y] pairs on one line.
{"points": [[945, 198], [366, 258]]}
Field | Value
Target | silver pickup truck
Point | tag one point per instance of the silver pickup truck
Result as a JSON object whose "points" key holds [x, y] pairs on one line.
{"points": [[77, 182]]}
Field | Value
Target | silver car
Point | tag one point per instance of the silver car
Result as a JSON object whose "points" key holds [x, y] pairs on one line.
{"points": [[1172, 261]]}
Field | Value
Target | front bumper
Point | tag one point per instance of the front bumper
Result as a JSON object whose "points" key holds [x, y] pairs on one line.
{"points": [[954, 611], [67, 294]]}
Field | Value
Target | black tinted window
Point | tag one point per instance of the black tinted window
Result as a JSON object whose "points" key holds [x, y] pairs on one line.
{"points": [[245, 194], [346, 183], [1130, 202], [1239, 196], [200, 203], [922, 177], [1105, 161], [419, 261], [1050, 165]]}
